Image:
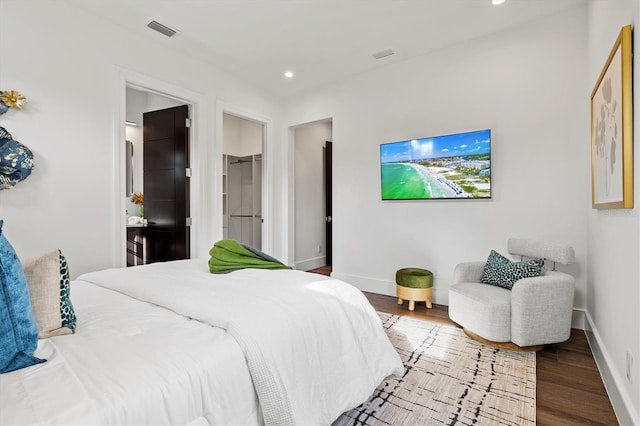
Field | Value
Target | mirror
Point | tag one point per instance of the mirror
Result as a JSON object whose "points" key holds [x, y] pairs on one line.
{"points": [[129, 165]]}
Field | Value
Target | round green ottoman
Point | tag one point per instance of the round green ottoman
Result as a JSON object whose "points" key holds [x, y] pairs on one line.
{"points": [[414, 285]]}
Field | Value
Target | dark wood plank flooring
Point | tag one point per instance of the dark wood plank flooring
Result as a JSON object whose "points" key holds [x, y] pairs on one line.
{"points": [[569, 388]]}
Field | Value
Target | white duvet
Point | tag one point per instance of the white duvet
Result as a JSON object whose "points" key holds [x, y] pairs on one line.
{"points": [[314, 346], [131, 363]]}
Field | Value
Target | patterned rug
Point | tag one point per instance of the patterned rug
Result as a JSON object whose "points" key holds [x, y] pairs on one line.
{"points": [[449, 379]]}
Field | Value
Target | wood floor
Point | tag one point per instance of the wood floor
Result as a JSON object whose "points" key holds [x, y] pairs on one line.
{"points": [[569, 389]]}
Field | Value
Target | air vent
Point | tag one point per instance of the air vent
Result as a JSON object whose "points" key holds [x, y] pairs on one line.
{"points": [[383, 54], [162, 29]]}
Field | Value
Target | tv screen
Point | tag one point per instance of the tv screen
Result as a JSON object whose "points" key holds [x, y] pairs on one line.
{"points": [[454, 166]]}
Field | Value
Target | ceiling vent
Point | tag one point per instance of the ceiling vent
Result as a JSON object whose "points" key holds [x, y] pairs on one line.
{"points": [[383, 54], [162, 29]]}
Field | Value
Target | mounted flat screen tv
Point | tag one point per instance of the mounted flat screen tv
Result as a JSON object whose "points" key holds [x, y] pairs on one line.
{"points": [[454, 166]]}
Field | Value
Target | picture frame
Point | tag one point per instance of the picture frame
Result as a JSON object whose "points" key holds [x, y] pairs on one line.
{"points": [[612, 129]]}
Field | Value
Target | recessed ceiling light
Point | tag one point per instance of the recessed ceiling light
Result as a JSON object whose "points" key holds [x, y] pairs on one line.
{"points": [[288, 74], [497, 2]]}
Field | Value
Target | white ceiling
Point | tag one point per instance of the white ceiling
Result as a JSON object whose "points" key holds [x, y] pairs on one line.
{"points": [[319, 40]]}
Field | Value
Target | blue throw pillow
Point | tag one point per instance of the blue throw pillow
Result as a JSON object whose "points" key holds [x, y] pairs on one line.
{"points": [[502, 272], [18, 330]]}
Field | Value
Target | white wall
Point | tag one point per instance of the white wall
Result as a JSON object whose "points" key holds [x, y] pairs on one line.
{"points": [[64, 61], [529, 86], [241, 137], [310, 195], [613, 284]]}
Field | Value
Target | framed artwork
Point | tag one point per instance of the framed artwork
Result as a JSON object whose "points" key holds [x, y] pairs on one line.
{"points": [[612, 129]]}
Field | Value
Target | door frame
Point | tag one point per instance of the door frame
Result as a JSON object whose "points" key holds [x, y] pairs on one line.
{"points": [[267, 213], [198, 109], [291, 190]]}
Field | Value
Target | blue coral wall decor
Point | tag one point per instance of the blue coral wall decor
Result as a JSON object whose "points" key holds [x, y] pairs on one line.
{"points": [[16, 160]]}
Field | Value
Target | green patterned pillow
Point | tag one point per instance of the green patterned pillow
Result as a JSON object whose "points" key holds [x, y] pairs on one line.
{"points": [[502, 272], [48, 280], [66, 308]]}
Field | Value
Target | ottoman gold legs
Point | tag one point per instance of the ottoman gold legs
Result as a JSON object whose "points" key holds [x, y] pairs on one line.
{"points": [[414, 295]]}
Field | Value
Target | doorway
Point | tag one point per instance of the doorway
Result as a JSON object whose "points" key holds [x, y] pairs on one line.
{"points": [[242, 148], [127, 126], [153, 122], [312, 195]]}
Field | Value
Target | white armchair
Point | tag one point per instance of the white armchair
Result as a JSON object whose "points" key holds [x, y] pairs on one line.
{"points": [[535, 312]]}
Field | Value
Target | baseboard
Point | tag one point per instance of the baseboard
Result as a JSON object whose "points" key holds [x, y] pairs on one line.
{"points": [[611, 377], [313, 263], [578, 319]]}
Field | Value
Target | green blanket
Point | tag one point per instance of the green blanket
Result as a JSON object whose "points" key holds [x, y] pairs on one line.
{"points": [[229, 255]]}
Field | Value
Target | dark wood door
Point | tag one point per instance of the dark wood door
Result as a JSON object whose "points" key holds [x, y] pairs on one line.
{"points": [[328, 185], [166, 185]]}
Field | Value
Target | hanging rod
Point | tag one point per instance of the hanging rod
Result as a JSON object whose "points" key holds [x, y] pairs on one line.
{"points": [[248, 216], [257, 158]]}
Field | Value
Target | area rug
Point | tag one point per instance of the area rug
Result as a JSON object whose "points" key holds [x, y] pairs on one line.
{"points": [[449, 379]]}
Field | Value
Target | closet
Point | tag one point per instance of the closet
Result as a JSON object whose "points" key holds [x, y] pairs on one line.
{"points": [[242, 180]]}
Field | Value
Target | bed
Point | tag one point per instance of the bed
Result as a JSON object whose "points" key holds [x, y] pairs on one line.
{"points": [[171, 343]]}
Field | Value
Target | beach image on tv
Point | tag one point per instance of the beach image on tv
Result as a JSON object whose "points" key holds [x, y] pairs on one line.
{"points": [[450, 166]]}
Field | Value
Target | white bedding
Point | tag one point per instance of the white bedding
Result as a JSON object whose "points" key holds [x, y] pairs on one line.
{"points": [[310, 346], [131, 362]]}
